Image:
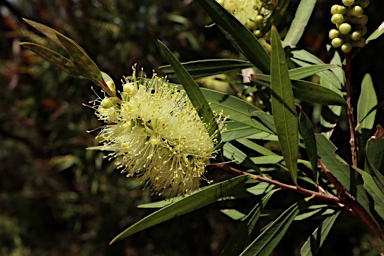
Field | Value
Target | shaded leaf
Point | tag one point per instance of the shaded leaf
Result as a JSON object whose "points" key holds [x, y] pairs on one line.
{"points": [[238, 34], [296, 30], [81, 59], [199, 199], [283, 106], [203, 68], [266, 242], [240, 238], [374, 161], [303, 72], [54, 58], [316, 240], [194, 93], [235, 130], [271, 159], [233, 214], [306, 130], [367, 101]]}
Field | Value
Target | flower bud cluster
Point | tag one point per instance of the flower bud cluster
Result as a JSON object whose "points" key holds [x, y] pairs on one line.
{"points": [[350, 22], [251, 13]]}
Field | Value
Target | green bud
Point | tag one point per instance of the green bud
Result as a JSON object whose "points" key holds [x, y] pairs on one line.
{"points": [[362, 20], [359, 43], [337, 42], [338, 9], [106, 103], [337, 18], [259, 19], [257, 33], [347, 47], [130, 88], [348, 2], [333, 33], [345, 28], [356, 35], [356, 11]]}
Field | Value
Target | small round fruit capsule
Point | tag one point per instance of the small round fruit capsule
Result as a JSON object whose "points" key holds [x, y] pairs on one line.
{"points": [[333, 33], [362, 30], [356, 11], [362, 20], [359, 43], [363, 3], [257, 33], [337, 18], [337, 42], [348, 2], [338, 9], [259, 19], [345, 28], [347, 47], [106, 103], [356, 35]]}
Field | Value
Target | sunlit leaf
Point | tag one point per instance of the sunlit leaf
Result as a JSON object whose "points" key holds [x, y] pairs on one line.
{"points": [[299, 23], [367, 101], [233, 214], [194, 93], [283, 106], [377, 33], [54, 58], [316, 240], [203, 68], [235, 130], [303, 72], [266, 242], [199, 199], [238, 34]]}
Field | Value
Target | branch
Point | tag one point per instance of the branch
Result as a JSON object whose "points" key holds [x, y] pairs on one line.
{"points": [[326, 197]]}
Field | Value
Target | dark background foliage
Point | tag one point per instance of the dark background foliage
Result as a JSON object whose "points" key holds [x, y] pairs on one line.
{"points": [[56, 198]]}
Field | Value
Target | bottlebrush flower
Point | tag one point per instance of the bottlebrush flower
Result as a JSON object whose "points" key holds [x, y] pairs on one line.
{"points": [[156, 135]]}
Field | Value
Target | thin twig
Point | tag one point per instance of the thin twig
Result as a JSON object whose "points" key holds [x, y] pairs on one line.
{"points": [[351, 121], [326, 197]]}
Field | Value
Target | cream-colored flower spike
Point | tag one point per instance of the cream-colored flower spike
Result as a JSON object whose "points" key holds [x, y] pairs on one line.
{"points": [[156, 135]]}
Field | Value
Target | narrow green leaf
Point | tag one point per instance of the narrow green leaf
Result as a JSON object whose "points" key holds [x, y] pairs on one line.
{"points": [[54, 58], [233, 214], [277, 13], [367, 101], [339, 72], [306, 130], [344, 173], [271, 159], [194, 93], [283, 106], [316, 240], [233, 153], [375, 191], [240, 238], [260, 189], [47, 31], [238, 34], [235, 130], [81, 59], [311, 92], [374, 161], [303, 72], [376, 34], [197, 200], [237, 109], [266, 242], [296, 30], [210, 67], [330, 79]]}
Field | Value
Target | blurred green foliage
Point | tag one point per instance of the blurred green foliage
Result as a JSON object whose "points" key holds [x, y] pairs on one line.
{"points": [[56, 198]]}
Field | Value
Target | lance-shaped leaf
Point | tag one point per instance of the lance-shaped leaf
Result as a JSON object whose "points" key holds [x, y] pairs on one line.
{"points": [[316, 240], [267, 241], [296, 30], [374, 161], [367, 101], [238, 34], [82, 60], [306, 130], [187, 204], [203, 68], [377, 33], [283, 106], [56, 59], [303, 72], [240, 238], [194, 93]]}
